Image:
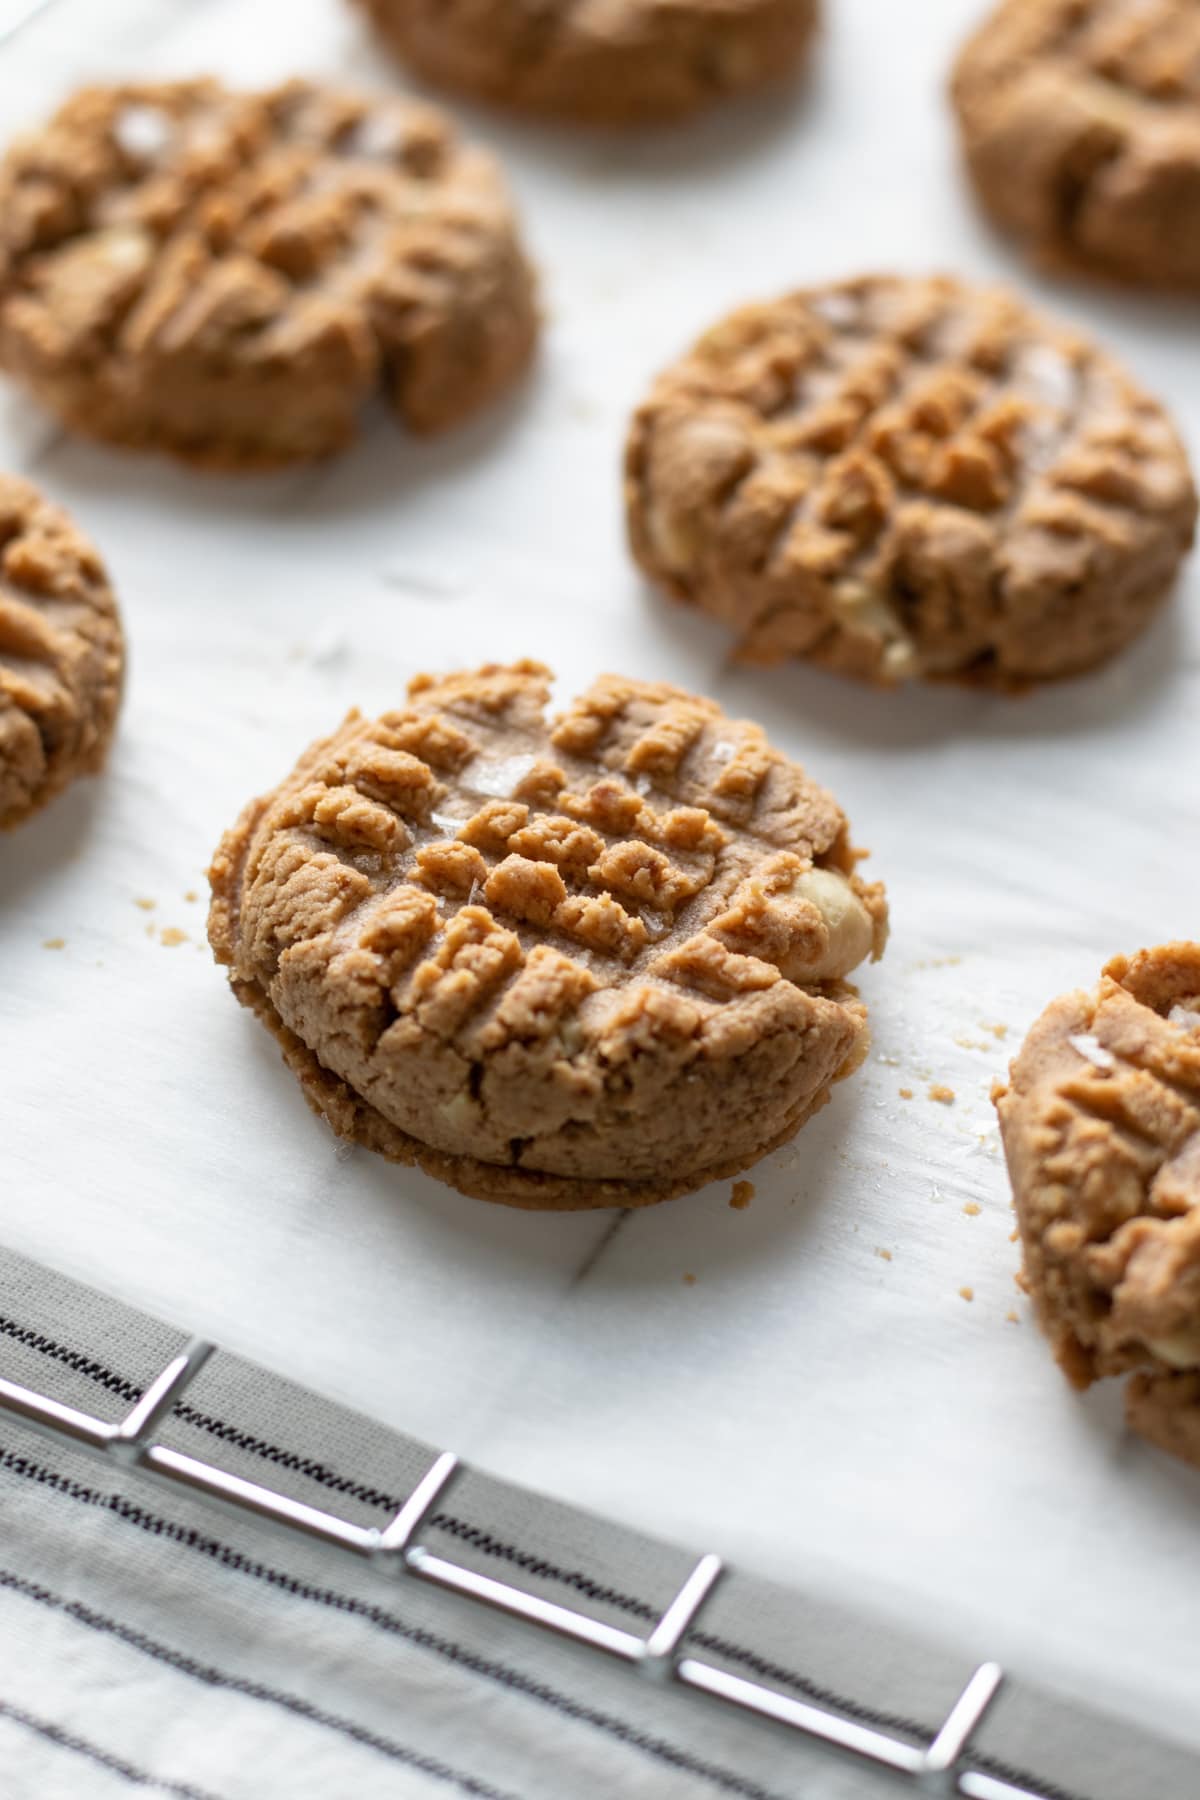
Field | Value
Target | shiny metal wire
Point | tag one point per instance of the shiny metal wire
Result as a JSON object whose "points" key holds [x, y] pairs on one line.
{"points": [[942, 1767]]}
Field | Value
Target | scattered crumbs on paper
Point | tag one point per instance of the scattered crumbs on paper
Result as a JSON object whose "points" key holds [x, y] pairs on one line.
{"points": [[742, 1195], [886, 1255], [967, 1293], [145, 904], [972, 1209], [149, 931], [998, 1031], [889, 1062], [1013, 1318], [967, 1043], [944, 1095], [171, 935], [54, 943], [689, 1281], [191, 896], [906, 1093]]}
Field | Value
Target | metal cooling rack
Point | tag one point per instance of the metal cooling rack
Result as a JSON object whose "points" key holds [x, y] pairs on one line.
{"points": [[942, 1767]]}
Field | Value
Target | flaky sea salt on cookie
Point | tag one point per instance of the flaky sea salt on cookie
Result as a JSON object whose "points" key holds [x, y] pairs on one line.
{"points": [[613, 63], [62, 653], [597, 961], [1080, 122], [897, 477], [1101, 1128], [230, 277]]}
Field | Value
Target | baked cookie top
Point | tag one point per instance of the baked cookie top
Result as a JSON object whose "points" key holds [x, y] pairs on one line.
{"points": [[1101, 1128], [897, 477], [617, 62], [1081, 125], [230, 276], [62, 655], [595, 961]]}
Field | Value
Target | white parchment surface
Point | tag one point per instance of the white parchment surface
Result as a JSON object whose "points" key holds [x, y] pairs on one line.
{"points": [[804, 1385]]}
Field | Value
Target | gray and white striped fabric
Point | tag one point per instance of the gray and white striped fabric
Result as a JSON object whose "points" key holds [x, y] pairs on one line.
{"points": [[154, 1642]]}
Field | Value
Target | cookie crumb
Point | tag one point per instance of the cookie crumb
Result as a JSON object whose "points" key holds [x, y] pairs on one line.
{"points": [[146, 905], [1012, 1318], [885, 1254], [742, 1195], [945, 1096], [1013, 1236], [171, 935], [906, 1093], [689, 1281], [972, 1209], [967, 1293], [997, 1031], [191, 896], [54, 943]]}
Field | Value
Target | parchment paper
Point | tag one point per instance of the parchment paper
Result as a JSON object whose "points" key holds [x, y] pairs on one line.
{"points": [[802, 1385]]}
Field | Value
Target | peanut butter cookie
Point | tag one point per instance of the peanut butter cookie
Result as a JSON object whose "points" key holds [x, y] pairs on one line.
{"points": [[593, 962], [607, 62], [62, 655], [1081, 125], [897, 477], [229, 277], [1101, 1127]]}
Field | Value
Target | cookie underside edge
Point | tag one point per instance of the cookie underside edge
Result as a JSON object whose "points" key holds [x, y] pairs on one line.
{"points": [[356, 1121]]}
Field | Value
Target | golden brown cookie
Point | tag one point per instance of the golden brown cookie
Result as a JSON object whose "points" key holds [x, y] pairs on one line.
{"points": [[593, 962], [606, 62], [230, 277], [897, 477], [1080, 121], [1101, 1128], [62, 655]]}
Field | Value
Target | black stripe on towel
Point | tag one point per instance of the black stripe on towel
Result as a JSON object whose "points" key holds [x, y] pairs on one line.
{"points": [[250, 1690], [486, 1668], [528, 1561], [116, 1765]]}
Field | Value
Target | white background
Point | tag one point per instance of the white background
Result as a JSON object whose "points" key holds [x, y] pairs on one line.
{"points": [[812, 1409]]}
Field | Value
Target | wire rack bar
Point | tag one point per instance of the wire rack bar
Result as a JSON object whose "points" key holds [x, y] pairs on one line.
{"points": [[940, 1768]]}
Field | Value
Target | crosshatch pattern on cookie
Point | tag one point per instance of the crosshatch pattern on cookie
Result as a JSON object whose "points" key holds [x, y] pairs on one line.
{"points": [[894, 476], [1102, 1130], [1148, 49], [304, 245], [1081, 129], [61, 653], [642, 879]]}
